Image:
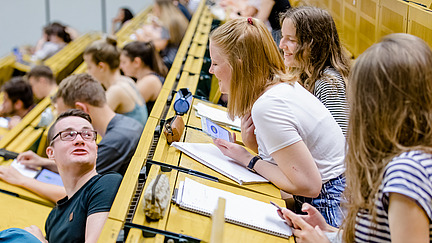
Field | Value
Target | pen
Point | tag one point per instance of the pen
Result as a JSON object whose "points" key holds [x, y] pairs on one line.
{"points": [[235, 128]]}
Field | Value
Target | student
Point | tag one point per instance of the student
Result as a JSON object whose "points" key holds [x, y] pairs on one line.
{"points": [[123, 17], [270, 11], [141, 61], [120, 135], [167, 30], [17, 100], [300, 146], [42, 81], [55, 37], [81, 215], [389, 157], [313, 52], [103, 63]]}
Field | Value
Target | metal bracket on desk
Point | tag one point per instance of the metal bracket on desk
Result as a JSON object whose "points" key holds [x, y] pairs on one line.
{"points": [[151, 232]]}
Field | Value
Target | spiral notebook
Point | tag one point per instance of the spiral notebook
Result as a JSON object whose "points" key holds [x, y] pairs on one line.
{"points": [[209, 155], [240, 210]]}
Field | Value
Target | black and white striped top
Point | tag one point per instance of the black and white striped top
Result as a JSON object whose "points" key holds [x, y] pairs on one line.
{"points": [[409, 174], [333, 95]]}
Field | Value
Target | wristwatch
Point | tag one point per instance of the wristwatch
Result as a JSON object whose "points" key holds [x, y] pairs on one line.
{"points": [[252, 163]]}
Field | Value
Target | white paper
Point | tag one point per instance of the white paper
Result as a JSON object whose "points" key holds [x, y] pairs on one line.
{"points": [[239, 209], [209, 155], [25, 171], [216, 115]]}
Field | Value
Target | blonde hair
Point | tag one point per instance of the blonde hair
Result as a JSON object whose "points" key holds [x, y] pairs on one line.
{"points": [[254, 59], [391, 112], [318, 45], [173, 20], [106, 51]]}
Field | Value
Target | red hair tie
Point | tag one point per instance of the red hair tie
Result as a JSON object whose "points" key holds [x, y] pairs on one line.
{"points": [[250, 20]]}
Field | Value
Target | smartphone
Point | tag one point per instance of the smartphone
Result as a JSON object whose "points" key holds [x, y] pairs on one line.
{"points": [[214, 130], [274, 204]]}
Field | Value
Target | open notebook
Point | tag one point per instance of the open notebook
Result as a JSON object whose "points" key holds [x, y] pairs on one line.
{"points": [[209, 155], [216, 115], [240, 210]]}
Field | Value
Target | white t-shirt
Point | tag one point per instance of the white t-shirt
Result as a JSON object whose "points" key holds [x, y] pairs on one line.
{"points": [[286, 114]]}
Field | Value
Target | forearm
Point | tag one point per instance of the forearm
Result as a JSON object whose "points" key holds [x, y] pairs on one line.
{"points": [[251, 143], [49, 164], [51, 192]]}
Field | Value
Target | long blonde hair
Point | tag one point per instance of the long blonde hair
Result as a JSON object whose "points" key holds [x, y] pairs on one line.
{"points": [[254, 59], [391, 112], [318, 45], [173, 20]]}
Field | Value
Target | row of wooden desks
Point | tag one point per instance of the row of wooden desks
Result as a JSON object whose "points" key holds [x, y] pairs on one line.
{"points": [[192, 224]]}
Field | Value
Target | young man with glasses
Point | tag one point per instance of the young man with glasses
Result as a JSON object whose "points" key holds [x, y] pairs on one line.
{"points": [[120, 134], [80, 216]]}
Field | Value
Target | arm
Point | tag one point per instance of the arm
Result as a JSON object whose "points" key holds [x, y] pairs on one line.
{"points": [[149, 87], [265, 9], [32, 160], [45, 190], [114, 98], [408, 222], [248, 133], [94, 225], [34, 230], [295, 173]]}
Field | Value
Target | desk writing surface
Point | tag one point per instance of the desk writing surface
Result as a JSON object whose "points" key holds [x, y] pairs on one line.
{"points": [[199, 226], [195, 136], [20, 213], [21, 192]]}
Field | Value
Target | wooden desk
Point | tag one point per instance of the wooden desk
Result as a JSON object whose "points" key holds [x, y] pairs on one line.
{"points": [[185, 222], [21, 192], [20, 213]]}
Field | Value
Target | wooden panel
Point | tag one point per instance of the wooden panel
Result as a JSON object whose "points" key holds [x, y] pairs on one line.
{"points": [[393, 16], [20, 213], [368, 25], [110, 231], [420, 23], [349, 32]]}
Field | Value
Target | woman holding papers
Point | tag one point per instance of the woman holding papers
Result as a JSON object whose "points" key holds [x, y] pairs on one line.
{"points": [[300, 145], [389, 158]]}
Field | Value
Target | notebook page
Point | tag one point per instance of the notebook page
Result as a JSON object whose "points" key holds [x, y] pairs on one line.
{"points": [[24, 170], [209, 155], [216, 115], [239, 210]]}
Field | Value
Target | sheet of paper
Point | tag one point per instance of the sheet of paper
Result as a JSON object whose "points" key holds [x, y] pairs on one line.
{"points": [[216, 115], [209, 155], [24, 170]]}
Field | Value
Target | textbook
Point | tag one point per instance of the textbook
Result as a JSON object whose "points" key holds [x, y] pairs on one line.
{"points": [[247, 212], [209, 155], [216, 115]]}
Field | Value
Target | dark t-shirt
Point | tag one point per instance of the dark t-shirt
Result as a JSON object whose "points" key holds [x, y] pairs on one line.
{"points": [[67, 220], [279, 7], [117, 147]]}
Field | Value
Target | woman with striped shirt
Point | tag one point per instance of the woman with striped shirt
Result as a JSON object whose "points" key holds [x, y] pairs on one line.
{"points": [[389, 160], [313, 52]]}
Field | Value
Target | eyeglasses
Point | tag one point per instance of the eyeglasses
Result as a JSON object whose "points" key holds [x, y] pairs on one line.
{"points": [[87, 135]]}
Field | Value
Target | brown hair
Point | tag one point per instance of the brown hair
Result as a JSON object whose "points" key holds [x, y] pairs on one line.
{"points": [[106, 51], [318, 45], [68, 113], [18, 89], [81, 88], [254, 59], [391, 112], [148, 55], [42, 71]]}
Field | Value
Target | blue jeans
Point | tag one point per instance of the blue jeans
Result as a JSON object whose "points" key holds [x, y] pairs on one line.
{"points": [[328, 201]]}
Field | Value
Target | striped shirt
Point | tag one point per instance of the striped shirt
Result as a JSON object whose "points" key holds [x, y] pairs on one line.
{"points": [[409, 174], [332, 94]]}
